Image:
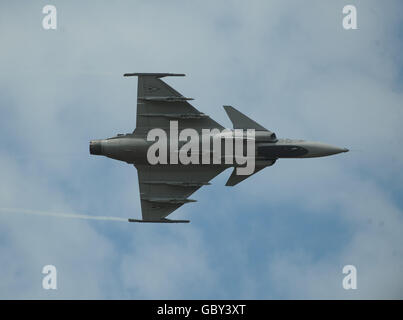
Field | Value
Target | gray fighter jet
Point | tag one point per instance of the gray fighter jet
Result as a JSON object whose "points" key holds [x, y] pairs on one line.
{"points": [[164, 187]]}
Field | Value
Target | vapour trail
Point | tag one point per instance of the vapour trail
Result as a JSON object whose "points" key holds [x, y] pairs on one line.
{"points": [[61, 214]]}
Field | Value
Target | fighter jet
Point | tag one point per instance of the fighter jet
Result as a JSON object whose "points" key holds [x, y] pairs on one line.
{"points": [[166, 185]]}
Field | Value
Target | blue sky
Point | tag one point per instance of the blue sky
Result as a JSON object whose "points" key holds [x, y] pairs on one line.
{"points": [[286, 232]]}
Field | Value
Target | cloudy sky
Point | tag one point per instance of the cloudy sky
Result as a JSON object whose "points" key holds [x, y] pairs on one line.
{"points": [[286, 232]]}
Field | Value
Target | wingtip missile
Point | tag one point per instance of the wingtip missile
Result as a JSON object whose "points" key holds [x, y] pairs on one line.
{"points": [[157, 75], [159, 221]]}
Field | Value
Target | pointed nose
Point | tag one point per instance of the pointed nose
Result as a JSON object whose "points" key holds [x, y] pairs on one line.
{"points": [[317, 149]]}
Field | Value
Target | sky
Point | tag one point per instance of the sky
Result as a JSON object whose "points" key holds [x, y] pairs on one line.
{"points": [[285, 233]]}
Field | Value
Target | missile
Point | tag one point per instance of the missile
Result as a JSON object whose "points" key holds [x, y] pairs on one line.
{"points": [[163, 220]]}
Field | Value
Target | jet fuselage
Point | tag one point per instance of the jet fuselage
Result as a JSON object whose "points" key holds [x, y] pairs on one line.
{"points": [[133, 149]]}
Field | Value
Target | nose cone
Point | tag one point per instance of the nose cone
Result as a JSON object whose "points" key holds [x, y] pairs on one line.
{"points": [[96, 147], [317, 149]]}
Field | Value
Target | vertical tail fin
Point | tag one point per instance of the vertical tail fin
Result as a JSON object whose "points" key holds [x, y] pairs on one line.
{"points": [[234, 179], [240, 121]]}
